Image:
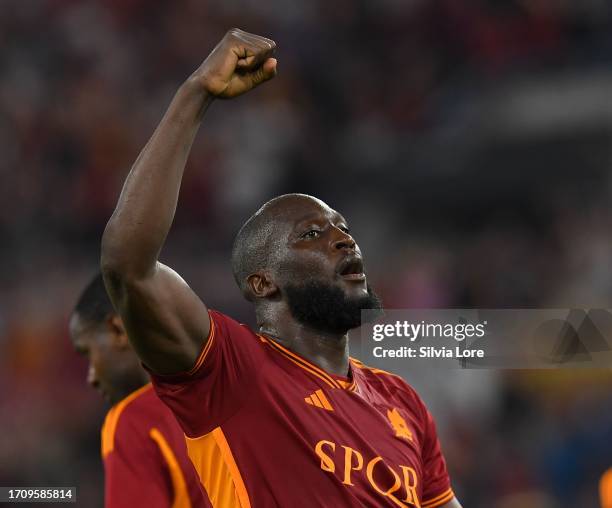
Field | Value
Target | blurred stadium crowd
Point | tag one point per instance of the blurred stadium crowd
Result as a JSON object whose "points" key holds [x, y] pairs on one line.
{"points": [[468, 143]]}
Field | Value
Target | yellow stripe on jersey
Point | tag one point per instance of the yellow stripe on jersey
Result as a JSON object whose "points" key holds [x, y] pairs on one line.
{"points": [[373, 370], [181, 496], [112, 418], [205, 350], [304, 364], [319, 399], [605, 489], [319, 393], [350, 386], [445, 497], [217, 470]]}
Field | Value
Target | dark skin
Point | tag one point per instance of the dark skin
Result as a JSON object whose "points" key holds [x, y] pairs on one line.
{"points": [[312, 242], [166, 321], [114, 369]]}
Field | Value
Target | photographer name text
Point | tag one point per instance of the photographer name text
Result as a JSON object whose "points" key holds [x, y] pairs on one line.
{"points": [[421, 331]]}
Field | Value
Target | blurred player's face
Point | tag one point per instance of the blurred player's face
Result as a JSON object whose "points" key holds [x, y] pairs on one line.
{"points": [[114, 369], [319, 268]]}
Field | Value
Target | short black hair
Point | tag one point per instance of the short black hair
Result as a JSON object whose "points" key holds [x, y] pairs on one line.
{"points": [[94, 305]]}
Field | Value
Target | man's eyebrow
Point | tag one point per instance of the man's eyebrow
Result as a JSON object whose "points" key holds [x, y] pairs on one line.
{"points": [[307, 218], [335, 216], [338, 217], [341, 219]]}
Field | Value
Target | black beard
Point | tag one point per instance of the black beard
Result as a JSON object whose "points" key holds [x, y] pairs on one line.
{"points": [[327, 308]]}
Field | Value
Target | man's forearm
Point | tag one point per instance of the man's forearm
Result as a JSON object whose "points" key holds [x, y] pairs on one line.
{"points": [[140, 223], [138, 228]]}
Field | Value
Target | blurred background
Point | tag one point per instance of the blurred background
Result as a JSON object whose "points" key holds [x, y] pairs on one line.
{"points": [[468, 143]]}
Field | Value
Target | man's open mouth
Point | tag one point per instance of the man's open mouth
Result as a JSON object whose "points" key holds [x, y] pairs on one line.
{"points": [[351, 268]]}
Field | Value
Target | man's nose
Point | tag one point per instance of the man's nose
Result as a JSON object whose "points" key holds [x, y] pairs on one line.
{"points": [[92, 377], [344, 241]]}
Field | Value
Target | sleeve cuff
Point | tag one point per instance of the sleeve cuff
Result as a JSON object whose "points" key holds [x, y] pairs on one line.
{"points": [[181, 376], [439, 500]]}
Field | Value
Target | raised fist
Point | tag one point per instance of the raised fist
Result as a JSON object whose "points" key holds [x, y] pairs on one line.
{"points": [[240, 62]]}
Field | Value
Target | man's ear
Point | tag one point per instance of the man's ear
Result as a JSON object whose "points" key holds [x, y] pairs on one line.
{"points": [[260, 285], [118, 333]]}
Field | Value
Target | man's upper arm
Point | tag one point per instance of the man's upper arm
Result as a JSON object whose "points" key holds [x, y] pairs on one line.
{"points": [[166, 321]]}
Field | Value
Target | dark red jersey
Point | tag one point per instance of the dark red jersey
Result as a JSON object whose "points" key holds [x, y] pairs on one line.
{"points": [[267, 428], [145, 458]]}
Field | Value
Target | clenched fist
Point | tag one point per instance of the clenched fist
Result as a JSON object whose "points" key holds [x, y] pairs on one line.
{"points": [[240, 62]]}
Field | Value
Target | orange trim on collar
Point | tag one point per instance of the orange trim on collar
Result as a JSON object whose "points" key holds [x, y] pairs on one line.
{"points": [[302, 362]]}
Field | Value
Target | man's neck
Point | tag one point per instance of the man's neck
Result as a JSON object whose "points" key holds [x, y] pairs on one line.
{"points": [[326, 350], [139, 379]]}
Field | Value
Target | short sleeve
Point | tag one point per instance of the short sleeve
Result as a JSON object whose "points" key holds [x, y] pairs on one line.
{"points": [[436, 482], [218, 384]]}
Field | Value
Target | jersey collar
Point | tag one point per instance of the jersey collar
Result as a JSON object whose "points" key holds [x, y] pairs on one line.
{"points": [[340, 382]]}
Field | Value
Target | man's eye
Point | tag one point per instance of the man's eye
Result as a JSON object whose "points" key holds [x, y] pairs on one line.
{"points": [[345, 229], [313, 233]]}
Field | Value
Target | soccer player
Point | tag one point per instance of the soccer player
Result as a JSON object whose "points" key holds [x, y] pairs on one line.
{"points": [[143, 447], [281, 415]]}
